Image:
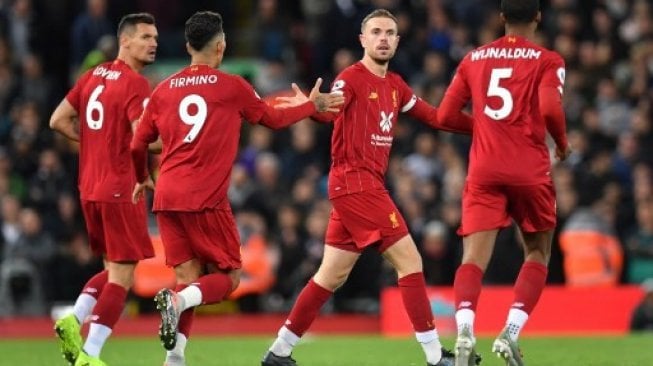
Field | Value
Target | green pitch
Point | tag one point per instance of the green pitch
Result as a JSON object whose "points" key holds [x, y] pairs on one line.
{"points": [[340, 351]]}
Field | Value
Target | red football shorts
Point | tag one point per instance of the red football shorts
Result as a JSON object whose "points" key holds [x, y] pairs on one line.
{"points": [[210, 236], [489, 207], [118, 230], [362, 219]]}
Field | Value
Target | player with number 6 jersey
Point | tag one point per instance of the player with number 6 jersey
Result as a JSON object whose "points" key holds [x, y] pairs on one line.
{"points": [[100, 112], [515, 87], [197, 112]]}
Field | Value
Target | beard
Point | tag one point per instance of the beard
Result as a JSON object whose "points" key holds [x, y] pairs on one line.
{"points": [[381, 60]]}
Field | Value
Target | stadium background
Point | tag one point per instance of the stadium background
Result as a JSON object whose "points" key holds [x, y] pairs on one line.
{"points": [[278, 189]]}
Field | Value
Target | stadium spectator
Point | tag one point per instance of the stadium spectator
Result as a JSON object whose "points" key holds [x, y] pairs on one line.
{"points": [[72, 265], [258, 263], [437, 253], [23, 271], [105, 50], [515, 87], [107, 101], [87, 30], [639, 245], [363, 213], [199, 230], [20, 26], [48, 184], [592, 253], [289, 238], [35, 85], [9, 213]]}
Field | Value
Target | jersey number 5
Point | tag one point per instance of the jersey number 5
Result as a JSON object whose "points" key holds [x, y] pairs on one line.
{"points": [[196, 120], [495, 90]]}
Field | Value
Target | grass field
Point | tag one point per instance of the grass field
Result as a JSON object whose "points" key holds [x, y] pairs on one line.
{"points": [[341, 351]]}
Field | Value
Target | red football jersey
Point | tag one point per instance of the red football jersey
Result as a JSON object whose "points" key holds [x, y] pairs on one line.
{"points": [[364, 128], [502, 80], [108, 98], [197, 112]]}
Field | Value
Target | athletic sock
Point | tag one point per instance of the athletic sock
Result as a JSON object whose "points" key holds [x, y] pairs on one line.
{"points": [[186, 317], [208, 289], [285, 342], [413, 294], [307, 307], [105, 315], [89, 295], [528, 289], [430, 342]]}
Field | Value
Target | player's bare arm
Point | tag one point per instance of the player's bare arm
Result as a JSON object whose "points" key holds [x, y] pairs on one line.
{"points": [[64, 120], [324, 102]]}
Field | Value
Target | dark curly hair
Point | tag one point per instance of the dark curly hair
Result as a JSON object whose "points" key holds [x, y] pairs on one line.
{"points": [[201, 27], [520, 11]]}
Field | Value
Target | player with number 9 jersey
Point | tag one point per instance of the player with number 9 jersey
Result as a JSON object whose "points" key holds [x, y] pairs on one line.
{"points": [[198, 113]]}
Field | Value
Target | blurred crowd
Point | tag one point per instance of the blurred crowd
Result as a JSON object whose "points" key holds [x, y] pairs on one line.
{"points": [[278, 191]]}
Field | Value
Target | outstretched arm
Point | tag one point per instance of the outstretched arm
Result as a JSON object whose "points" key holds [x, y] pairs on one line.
{"points": [[450, 121], [295, 108]]}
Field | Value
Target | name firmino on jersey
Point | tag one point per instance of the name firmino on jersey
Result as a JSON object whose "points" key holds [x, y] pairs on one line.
{"points": [[506, 53], [193, 80]]}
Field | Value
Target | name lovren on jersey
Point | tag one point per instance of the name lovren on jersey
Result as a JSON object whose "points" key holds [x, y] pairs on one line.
{"points": [[105, 73], [506, 53], [192, 80]]}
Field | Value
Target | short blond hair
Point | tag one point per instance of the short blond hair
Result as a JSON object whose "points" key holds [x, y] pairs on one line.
{"points": [[378, 13]]}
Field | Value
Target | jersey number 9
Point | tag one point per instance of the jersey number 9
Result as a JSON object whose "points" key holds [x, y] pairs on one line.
{"points": [[196, 120]]}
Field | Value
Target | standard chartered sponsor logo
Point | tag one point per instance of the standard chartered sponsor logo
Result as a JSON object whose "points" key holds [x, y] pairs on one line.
{"points": [[379, 140]]}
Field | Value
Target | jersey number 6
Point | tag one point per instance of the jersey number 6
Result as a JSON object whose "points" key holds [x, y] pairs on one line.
{"points": [[95, 105]]}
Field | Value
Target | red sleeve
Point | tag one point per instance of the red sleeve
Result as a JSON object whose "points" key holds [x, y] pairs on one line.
{"points": [[73, 96], [324, 117], [340, 85], [450, 115], [280, 118], [550, 99], [139, 91], [254, 110], [459, 123], [146, 133]]}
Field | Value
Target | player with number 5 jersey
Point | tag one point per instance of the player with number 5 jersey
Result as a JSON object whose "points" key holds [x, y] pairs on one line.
{"points": [[197, 112], [515, 87], [100, 112]]}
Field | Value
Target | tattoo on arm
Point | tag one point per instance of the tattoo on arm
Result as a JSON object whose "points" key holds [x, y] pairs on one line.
{"points": [[321, 103]]}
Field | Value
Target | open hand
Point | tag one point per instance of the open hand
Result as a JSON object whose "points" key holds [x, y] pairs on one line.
{"points": [[286, 102], [139, 189], [324, 102]]}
